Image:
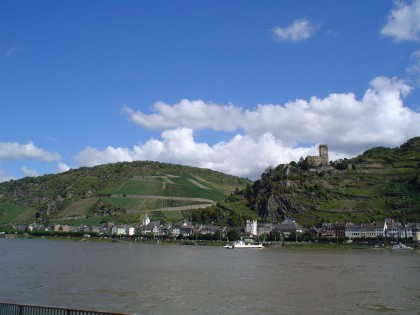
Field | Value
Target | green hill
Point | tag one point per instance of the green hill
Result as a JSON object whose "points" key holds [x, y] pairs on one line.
{"points": [[382, 182], [120, 192]]}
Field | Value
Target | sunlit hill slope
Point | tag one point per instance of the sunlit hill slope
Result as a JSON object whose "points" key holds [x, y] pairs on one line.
{"points": [[121, 191]]}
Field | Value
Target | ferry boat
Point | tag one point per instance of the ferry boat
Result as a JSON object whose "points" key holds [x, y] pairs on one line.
{"points": [[401, 246], [241, 244]]}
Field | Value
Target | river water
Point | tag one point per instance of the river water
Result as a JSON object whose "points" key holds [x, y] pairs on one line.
{"points": [[171, 279]]}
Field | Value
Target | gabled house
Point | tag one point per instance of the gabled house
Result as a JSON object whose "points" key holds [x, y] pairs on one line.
{"points": [[395, 230], [207, 229], [327, 230], [175, 229], [288, 226], [373, 230], [130, 230], [164, 229], [96, 229], [118, 230], [186, 229], [415, 232], [264, 228], [62, 228], [352, 231], [151, 227]]}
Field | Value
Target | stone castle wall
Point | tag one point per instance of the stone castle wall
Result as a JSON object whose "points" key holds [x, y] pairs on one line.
{"points": [[322, 159]]}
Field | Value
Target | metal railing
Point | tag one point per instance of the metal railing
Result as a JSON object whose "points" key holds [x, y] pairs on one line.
{"points": [[19, 309]]}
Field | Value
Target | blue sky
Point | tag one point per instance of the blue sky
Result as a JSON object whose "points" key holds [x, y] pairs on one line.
{"points": [[235, 86]]}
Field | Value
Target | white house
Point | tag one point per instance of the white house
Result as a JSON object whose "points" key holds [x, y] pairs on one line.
{"points": [[151, 227], [389, 228], [175, 229], [123, 230], [118, 230], [352, 231], [130, 230]]}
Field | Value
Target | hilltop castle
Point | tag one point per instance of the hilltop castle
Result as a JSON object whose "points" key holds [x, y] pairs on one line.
{"points": [[322, 159]]}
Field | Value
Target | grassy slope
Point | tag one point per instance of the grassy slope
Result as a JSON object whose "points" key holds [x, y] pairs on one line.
{"points": [[84, 193]]}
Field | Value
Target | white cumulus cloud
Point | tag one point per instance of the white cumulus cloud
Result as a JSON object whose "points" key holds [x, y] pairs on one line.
{"points": [[242, 155], [299, 30], [270, 134], [403, 22], [195, 114], [17, 151], [341, 119], [29, 172], [62, 167], [91, 156]]}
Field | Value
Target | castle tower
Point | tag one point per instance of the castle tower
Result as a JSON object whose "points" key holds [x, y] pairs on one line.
{"points": [[323, 154], [251, 227]]}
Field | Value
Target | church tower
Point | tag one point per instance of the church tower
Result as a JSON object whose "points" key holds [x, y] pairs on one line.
{"points": [[146, 220]]}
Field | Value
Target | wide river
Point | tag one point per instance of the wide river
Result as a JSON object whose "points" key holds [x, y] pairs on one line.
{"points": [[171, 279]]}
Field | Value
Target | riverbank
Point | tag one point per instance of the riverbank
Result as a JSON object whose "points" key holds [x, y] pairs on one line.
{"points": [[284, 245], [121, 240]]}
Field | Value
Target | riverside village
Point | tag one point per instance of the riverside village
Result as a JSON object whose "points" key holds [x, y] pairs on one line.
{"points": [[376, 233], [379, 234]]}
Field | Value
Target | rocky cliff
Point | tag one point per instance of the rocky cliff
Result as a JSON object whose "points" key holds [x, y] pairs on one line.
{"points": [[379, 183]]}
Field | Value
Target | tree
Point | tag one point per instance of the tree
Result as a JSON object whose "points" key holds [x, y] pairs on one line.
{"points": [[8, 229], [276, 236], [218, 235], [307, 236], [232, 235]]}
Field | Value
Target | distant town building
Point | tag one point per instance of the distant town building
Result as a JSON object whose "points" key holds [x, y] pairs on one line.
{"points": [[415, 231], [118, 230], [251, 227], [264, 228], [287, 227]]}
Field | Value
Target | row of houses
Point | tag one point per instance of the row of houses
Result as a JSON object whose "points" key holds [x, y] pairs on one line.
{"points": [[147, 227], [288, 226], [388, 228]]}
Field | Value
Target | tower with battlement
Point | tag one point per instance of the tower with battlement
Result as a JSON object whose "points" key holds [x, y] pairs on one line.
{"points": [[322, 159], [323, 154]]}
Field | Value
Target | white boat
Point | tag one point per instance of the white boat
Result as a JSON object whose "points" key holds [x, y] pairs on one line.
{"points": [[401, 246], [241, 244]]}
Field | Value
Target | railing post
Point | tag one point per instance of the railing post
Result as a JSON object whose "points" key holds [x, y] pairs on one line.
{"points": [[20, 309]]}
